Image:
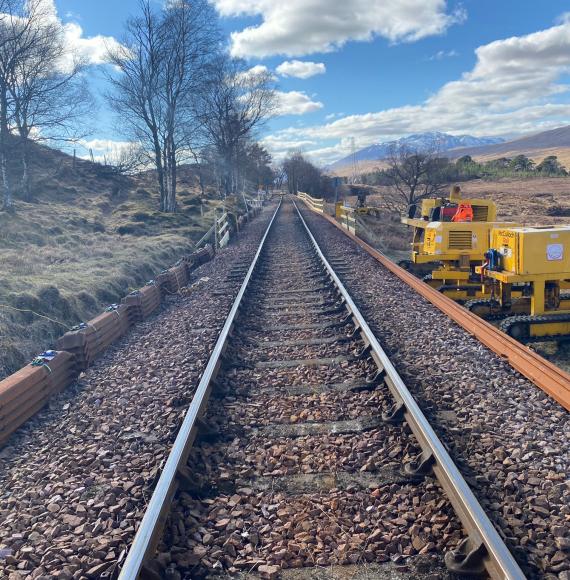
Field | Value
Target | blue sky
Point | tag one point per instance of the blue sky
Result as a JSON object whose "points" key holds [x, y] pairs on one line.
{"points": [[479, 66]]}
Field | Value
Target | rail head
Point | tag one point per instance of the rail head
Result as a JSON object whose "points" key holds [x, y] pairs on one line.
{"points": [[144, 542], [498, 560]]}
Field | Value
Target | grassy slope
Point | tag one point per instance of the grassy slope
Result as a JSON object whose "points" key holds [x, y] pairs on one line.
{"points": [[63, 256]]}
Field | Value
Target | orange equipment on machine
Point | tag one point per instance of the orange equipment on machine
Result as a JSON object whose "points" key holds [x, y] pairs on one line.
{"points": [[464, 213]]}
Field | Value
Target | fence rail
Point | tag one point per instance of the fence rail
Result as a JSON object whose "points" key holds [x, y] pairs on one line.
{"points": [[315, 203], [223, 230]]}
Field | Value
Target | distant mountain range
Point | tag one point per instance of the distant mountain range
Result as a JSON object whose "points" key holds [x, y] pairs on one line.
{"points": [[552, 142], [419, 141]]}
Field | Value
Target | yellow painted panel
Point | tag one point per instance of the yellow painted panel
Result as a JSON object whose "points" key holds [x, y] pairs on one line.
{"points": [[458, 238], [550, 329], [534, 251]]}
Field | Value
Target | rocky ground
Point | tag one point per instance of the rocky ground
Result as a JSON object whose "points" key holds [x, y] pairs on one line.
{"points": [[75, 480], [509, 438]]}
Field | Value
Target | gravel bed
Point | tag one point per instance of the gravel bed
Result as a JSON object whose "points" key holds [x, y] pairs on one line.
{"points": [[259, 410], [375, 525], [254, 455], [74, 482], [509, 437], [272, 335], [332, 350], [286, 377], [306, 480]]}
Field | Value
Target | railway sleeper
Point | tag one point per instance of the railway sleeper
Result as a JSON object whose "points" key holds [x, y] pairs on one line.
{"points": [[335, 339], [317, 362], [333, 427]]}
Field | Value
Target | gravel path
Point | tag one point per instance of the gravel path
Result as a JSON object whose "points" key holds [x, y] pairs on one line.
{"points": [[508, 437], [75, 480]]}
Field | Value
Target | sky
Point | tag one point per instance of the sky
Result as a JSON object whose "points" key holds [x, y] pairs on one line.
{"points": [[371, 70]]}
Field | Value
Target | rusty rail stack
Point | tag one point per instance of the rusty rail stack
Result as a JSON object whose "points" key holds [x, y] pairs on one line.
{"points": [[25, 392]]}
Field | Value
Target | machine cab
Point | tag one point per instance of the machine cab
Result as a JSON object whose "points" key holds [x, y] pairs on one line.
{"points": [[448, 224]]}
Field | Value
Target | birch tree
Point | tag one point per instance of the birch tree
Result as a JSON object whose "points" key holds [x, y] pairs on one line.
{"points": [[42, 93], [163, 65], [236, 102]]}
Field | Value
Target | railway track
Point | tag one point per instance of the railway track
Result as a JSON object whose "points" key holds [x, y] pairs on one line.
{"points": [[303, 447]]}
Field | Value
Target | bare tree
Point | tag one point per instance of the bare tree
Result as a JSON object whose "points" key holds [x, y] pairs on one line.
{"points": [[302, 175], [280, 175], [126, 160], [42, 95], [235, 103], [18, 19], [163, 65], [50, 97], [415, 174]]}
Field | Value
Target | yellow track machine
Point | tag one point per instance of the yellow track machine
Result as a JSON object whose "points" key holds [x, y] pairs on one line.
{"points": [[535, 261], [451, 237]]}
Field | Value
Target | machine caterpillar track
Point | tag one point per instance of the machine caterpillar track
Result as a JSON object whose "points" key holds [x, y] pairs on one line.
{"points": [[537, 328], [486, 308]]}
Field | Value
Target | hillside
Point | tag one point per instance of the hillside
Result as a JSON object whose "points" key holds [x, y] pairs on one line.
{"points": [[86, 239], [419, 141], [536, 146]]}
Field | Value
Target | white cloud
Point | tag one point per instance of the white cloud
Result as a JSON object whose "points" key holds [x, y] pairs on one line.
{"points": [[296, 103], [258, 69], [103, 150], [300, 69], [281, 147], [91, 50], [514, 87], [103, 145], [301, 27], [441, 54], [332, 116]]}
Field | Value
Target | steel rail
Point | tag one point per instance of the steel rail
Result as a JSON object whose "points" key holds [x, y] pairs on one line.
{"points": [[485, 541], [551, 379], [145, 540]]}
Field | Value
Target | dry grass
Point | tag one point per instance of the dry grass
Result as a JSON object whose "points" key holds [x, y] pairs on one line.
{"points": [[74, 251]]}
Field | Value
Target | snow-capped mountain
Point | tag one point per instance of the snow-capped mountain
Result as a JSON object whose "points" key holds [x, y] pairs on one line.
{"points": [[419, 141]]}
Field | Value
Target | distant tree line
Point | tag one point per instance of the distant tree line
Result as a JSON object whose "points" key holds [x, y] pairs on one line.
{"points": [[412, 175], [300, 174], [465, 168], [505, 166]]}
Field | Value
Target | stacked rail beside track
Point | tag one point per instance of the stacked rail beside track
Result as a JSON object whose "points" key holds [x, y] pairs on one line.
{"points": [[292, 299]]}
